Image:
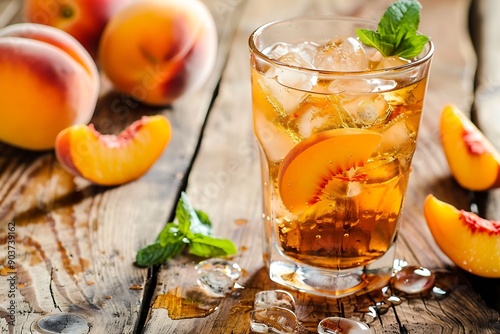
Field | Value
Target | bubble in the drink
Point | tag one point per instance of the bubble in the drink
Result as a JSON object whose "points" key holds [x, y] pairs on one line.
{"points": [[337, 325], [217, 276], [413, 280], [273, 320], [342, 54], [269, 298]]}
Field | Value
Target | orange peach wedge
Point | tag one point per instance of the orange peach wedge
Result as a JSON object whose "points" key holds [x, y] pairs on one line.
{"points": [[313, 163], [109, 159], [471, 242], [473, 161]]}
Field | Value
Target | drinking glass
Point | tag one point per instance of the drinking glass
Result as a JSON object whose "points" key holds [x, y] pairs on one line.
{"points": [[337, 125]]}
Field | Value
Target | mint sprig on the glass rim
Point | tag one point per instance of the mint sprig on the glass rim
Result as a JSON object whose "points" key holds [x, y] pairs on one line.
{"points": [[191, 228], [396, 34]]}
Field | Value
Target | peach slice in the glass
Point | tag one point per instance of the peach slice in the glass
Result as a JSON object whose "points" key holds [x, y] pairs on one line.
{"points": [[471, 242], [109, 159], [313, 163], [473, 161]]}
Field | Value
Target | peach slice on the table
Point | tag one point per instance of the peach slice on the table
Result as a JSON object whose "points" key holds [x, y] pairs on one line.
{"points": [[473, 161], [313, 163], [110, 159], [471, 242]]}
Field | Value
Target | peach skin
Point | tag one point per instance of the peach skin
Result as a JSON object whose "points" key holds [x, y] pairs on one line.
{"points": [[471, 242], [55, 72], [473, 161], [83, 19], [113, 160], [156, 51]]}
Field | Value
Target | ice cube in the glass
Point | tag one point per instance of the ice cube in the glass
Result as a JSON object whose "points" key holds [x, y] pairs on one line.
{"points": [[342, 54]]}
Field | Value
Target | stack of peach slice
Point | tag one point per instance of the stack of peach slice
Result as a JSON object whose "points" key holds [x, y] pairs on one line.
{"points": [[471, 242]]}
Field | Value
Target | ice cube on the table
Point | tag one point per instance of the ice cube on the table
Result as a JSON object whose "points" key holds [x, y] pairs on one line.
{"points": [[270, 298], [273, 320]]}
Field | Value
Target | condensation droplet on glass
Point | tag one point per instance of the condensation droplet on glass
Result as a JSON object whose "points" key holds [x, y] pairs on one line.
{"points": [[269, 298], [413, 280], [273, 320], [337, 325], [217, 276]]}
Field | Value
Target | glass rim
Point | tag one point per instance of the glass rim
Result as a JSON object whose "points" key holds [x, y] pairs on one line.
{"points": [[257, 32]]}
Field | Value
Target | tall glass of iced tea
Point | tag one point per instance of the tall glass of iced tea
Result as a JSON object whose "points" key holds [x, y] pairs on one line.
{"points": [[337, 125]]}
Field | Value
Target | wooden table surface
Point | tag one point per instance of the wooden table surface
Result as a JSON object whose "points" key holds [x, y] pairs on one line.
{"points": [[75, 243]]}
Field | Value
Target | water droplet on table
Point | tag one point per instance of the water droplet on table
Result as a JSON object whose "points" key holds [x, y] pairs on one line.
{"points": [[60, 323], [217, 276], [268, 298], [273, 320], [337, 325], [413, 280]]}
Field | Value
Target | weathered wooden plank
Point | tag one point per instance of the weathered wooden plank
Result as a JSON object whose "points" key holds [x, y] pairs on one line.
{"points": [[75, 243], [486, 27], [225, 183]]}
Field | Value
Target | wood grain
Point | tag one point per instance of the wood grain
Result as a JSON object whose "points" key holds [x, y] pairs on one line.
{"points": [[225, 179], [76, 242]]}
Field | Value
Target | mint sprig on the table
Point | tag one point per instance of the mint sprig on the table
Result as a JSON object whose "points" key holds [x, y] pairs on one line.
{"points": [[191, 228], [396, 34]]}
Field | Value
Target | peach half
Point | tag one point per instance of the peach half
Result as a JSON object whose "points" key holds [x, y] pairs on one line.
{"points": [[110, 159], [473, 161], [48, 82], [312, 164], [471, 242], [157, 50]]}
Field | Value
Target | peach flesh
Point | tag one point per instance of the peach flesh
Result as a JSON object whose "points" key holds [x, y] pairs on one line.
{"points": [[308, 167], [473, 161], [109, 159], [471, 242]]}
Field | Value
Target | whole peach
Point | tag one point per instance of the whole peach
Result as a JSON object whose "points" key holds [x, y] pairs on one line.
{"points": [[48, 82], [157, 50], [83, 19]]}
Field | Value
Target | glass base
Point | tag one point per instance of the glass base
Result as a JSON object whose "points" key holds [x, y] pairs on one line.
{"points": [[332, 283]]}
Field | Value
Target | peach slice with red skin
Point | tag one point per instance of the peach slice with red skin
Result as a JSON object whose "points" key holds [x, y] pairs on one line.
{"points": [[473, 161], [471, 242], [312, 163], [109, 159]]}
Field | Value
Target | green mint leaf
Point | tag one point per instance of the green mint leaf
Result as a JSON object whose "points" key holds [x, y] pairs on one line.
{"points": [[203, 217], [191, 227], [397, 31], [207, 246], [191, 218], [372, 38], [169, 234], [183, 214], [156, 253], [412, 47]]}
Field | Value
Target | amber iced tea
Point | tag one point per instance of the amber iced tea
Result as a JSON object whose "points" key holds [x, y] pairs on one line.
{"points": [[337, 125]]}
